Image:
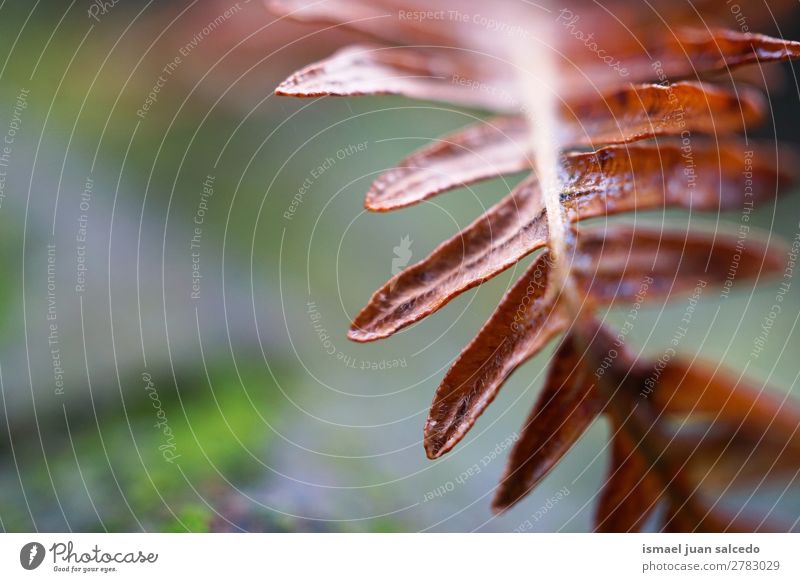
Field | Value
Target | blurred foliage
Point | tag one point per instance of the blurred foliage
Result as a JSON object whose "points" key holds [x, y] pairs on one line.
{"points": [[112, 476]]}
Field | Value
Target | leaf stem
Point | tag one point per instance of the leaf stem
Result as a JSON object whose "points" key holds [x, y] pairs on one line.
{"points": [[539, 83]]}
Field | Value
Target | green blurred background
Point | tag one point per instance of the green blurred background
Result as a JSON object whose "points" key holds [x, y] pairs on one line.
{"points": [[244, 407]]}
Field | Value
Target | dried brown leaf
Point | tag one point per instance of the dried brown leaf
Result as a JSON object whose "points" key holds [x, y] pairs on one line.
{"points": [[375, 70], [502, 145], [564, 410], [740, 430], [380, 19], [700, 174], [631, 491], [721, 455], [701, 388], [505, 233], [644, 111], [721, 49], [613, 264], [478, 152], [524, 322], [680, 53]]}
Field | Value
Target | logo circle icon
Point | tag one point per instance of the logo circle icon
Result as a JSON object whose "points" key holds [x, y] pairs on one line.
{"points": [[31, 555]]}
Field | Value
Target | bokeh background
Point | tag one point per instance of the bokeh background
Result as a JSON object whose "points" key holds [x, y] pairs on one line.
{"points": [[179, 275]]}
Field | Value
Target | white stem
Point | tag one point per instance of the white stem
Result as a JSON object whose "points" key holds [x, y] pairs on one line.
{"points": [[539, 83]]}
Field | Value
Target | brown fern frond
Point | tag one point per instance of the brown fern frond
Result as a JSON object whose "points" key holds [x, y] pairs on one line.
{"points": [[622, 133]]}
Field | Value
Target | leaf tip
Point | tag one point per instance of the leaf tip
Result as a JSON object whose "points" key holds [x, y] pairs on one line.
{"points": [[374, 204], [361, 336], [287, 88], [435, 440], [505, 497]]}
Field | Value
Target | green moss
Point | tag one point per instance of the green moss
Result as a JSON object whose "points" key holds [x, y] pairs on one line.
{"points": [[193, 517], [124, 480]]}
